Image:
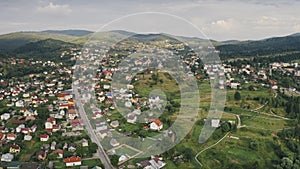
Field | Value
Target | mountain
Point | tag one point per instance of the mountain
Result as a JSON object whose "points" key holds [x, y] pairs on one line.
{"points": [[71, 32]]}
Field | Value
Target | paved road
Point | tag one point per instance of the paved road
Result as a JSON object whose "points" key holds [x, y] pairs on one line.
{"points": [[102, 155]]}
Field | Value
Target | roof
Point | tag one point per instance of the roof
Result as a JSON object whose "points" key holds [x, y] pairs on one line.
{"points": [[44, 136], [72, 159], [11, 135], [156, 121]]}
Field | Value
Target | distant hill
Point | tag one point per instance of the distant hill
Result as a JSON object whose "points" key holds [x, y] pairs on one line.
{"points": [[269, 46], [48, 49], [295, 34], [12, 41], [71, 32]]}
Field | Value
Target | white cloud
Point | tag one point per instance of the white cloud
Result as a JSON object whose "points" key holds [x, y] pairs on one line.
{"points": [[55, 9], [267, 20], [223, 24]]}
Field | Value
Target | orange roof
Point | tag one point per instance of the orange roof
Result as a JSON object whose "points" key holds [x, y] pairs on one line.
{"points": [[60, 151], [11, 135], [72, 159], [157, 121]]}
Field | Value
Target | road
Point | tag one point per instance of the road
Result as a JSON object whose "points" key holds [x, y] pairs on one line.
{"points": [[101, 152]]}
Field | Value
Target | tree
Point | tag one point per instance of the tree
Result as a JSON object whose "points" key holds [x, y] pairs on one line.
{"points": [[188, 153], [225, 127], [114, 159], [237, 96]]}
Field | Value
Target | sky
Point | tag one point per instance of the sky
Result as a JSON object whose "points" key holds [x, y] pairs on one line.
{"points": [[216, 19]]}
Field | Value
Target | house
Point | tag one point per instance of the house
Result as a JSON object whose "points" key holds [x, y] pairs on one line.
{"points": [[84, 142], [5, 116], [131, 118], [72, 147], [41, 155], [29, 112], [14, 148], [50, 122], [215, 123], [113, 142], [60, 153], [155, 163], [11, 136], [27, 137], [53, 145], [8, 157], [44, 137], [73, 161], [72, 114], [156, 124], [123, 158], [234, 85]]}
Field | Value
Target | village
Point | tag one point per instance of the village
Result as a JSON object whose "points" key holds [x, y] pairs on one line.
{"points": [[40, 122]]}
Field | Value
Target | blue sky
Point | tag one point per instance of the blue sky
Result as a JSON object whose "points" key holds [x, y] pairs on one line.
{"points": [[217, 19]]}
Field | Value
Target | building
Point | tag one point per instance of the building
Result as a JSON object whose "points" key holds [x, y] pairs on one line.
{"points": [[73, 161], [14, 148], [156, 124], [8, 157], [44, 137]]}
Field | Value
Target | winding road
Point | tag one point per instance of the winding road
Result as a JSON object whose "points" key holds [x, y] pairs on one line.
{"points": [[196, 157]]}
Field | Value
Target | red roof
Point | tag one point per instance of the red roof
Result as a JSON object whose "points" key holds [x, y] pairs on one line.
{"points": [[44, 136], [72, 159], [157, 121], [11, 135], [51, 119]]}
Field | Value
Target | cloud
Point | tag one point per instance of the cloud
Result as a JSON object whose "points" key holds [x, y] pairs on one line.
{"points": [[222, 24], [267, 20], [55, 9]]}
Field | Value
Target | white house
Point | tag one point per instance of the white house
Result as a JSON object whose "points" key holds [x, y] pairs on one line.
{"points": [[44, 137], [73, 161], [156, 124], [8, 157], [5, 116]]}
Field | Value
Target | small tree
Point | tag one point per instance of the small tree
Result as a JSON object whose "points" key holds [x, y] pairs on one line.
{"points": [[237, 96]]}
